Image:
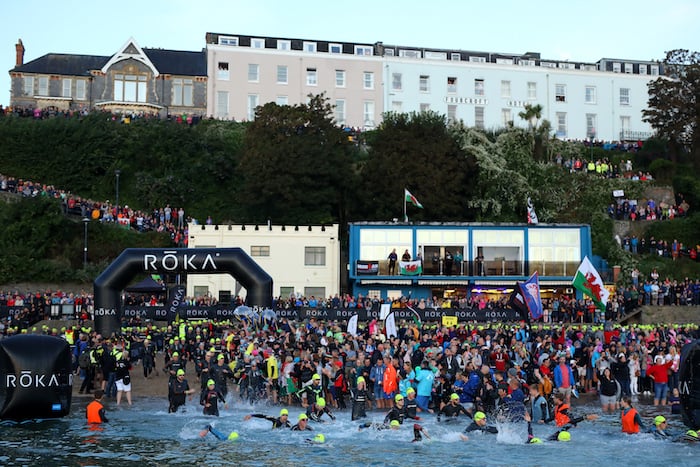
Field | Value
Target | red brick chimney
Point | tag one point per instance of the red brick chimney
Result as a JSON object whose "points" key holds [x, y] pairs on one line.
{"points": [[19, 48]]}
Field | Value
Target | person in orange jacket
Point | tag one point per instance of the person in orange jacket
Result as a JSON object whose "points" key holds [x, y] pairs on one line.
{"points": [[95, 411], [390, 382]]}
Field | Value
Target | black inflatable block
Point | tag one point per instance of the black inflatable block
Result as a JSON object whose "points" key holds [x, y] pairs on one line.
{"points": [[36, 381], [689, 384]]}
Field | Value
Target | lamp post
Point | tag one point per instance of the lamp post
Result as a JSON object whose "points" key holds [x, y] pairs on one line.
{"points": [[117, 173], [85, 246]]}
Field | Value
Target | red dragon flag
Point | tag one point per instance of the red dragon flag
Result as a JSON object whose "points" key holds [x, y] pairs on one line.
{"points": [[588, 281]]}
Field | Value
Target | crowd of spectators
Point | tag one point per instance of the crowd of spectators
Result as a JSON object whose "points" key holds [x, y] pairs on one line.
{"points": [[648, 210]]}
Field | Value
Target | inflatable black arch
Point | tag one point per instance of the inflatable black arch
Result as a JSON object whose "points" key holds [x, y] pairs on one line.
{"points": [[234, 261], [689, 384]]}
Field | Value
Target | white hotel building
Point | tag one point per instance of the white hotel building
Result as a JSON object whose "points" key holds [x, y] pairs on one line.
{"points": [[602, 100]]}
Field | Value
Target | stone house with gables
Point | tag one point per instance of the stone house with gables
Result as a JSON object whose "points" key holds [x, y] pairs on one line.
{"points": [[133, 80]]}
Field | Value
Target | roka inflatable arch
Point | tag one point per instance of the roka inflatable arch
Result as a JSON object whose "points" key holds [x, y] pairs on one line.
{"points": [[689, 384], [234, 261]]}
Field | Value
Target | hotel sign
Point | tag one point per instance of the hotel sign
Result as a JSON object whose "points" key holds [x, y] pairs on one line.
{"points": [[466, 100]]}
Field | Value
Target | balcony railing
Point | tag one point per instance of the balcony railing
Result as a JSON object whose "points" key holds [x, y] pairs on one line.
{"points": [[486, 268]]}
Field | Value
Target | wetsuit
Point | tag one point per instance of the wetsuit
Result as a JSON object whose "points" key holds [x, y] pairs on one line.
{"points": [[219, 435], [376, 426], [359, 403], [313, 392], [298, 428], [473, 426], [177, 394], [395, 414], [211, 397], [452, 411], [410, 408], [276, 422], [316, 415]]}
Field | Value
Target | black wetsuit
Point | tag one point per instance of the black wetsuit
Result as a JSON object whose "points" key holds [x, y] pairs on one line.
{"points": [[486, 428], [276, 422], [298, 428], [177, 394], [452, 411], [212, 397], [359, 403], [316, 415], [410, 408], [395, 414]]}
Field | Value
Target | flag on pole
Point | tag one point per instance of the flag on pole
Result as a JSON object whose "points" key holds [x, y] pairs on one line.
{"points": [[530, 291], [416, 315], [409, 198], [390, 326], [517, 302], [588, 281], [531, 214], [352, 325]]}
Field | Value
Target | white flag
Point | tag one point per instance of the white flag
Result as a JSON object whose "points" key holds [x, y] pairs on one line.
{"points": [[390, 326], [352, 325], [531, 214]]}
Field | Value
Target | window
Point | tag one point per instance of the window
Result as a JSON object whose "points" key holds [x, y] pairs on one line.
{"points": [[284, 45], [505, 89], [228, 40], [624, 96], [318, 292], [130, 88], [590, 67], [286, 291], [654, 70], [526, 62], [309, 47], [567, 66], [478, 87], [532, 90], [28, 86], [431, 55], [504, 61], [363, 50], [67, 84], [452, 85], [368, 113], [455, 56], [628, 68], [451, 113], [315, 256], [282, 74], [506, 117], [340, 111], [252, 105], [182, 92], [479, 117], [424, 83], [389, 52], [624, 123], [642, 69], [253, 72], [222, 104], [368, 80], [548, 64], [424, 107], [259, 250], [616, 67], [409, 53], [396, 106], [339, 78], [590, 94], [257, 43], [561, 124], [80, 89], [396, 81], [282, 100], [477, 59], [590, 125], [43, 86], [223, 71], [560, 92], [311, 77], [335, 49]]}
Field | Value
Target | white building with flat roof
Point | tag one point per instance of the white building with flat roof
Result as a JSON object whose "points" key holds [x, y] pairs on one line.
{"points": [[300, 259], [602, 100]]}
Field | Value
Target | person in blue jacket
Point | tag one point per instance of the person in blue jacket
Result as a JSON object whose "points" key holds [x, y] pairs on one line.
{"points": [[425, 377], [564, 378]]}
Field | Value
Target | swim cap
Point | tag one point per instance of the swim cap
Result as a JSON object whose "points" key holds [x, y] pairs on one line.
{"points": [[302, 416], [315, 376], [454, 396], [398, 397], [659, 419], [284, 412], [233, 436], [360, 379], [180, 372], [692, 434], [535, 441], [212, 340], [479, 416], [319, 438], [564, 436], [172, 341], [395, 423], [148, 338], [220, 357], [211, 382], [410, 391], [321, 402], [175, 354]]}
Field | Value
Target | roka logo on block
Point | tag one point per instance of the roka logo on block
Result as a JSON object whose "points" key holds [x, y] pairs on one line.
{"points": [[28, 379], [172, 262]]}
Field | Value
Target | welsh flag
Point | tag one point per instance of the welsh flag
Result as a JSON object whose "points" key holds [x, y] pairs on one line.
{"points": [[409, 198], [410, 268], [588, 281]]}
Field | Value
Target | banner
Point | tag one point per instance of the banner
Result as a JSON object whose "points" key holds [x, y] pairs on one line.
{"points": [[367, 267], [410, 268], [10, 311], [352, 325], [390, 326], [530, 290], [405, 314]]}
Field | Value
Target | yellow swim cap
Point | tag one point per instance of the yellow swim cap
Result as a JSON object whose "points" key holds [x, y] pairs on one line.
{"points": [[319, 438], [321, 402], [284, 412], [535, 441], [479, 416], [564, 436], [233, 436], [659, 419], [395, 423], [398, 397]]}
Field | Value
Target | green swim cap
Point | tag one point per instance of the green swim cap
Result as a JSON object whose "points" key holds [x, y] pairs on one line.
{"points": [[692, 433], [302, 416], [180, 372], [398, 397], [284, 412], [454, 396], [319, 438], [211, 383], [659, 419], [321, 402], [479, 416], [315, 376], [535, 441], [172, 341], [220, 357], [564, 436], [395, 423], [360, 379], [175, 354], [233, 436], [410, 391]]}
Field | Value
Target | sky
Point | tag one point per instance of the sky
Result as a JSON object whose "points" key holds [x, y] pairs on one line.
{"points": [[577, 30]]}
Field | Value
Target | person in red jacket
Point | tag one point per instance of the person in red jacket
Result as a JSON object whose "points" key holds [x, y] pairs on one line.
{"points": [[499, 358], [659, 373]]}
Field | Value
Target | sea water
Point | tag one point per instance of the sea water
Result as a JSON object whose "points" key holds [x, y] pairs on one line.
{"points": [[145, 434]]}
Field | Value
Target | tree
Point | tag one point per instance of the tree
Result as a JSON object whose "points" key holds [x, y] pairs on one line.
{"points": [[296, 165], [540, 132], [674, 106]]}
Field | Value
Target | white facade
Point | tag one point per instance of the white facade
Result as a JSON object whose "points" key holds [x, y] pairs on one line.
{"points": [[300, 259]]}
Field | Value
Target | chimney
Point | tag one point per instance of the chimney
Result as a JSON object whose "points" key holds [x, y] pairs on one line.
{"points": [[19, 48]]}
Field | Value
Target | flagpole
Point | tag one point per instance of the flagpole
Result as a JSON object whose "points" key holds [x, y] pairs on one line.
{"points": [[405, 217]]}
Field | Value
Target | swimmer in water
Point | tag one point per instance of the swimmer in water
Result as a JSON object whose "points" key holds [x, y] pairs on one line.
{"points": [[316, 410], [479, 424], [302, 423], [392, 425], [233, 436], [452, 409], [418, 433], [277, 422]]}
